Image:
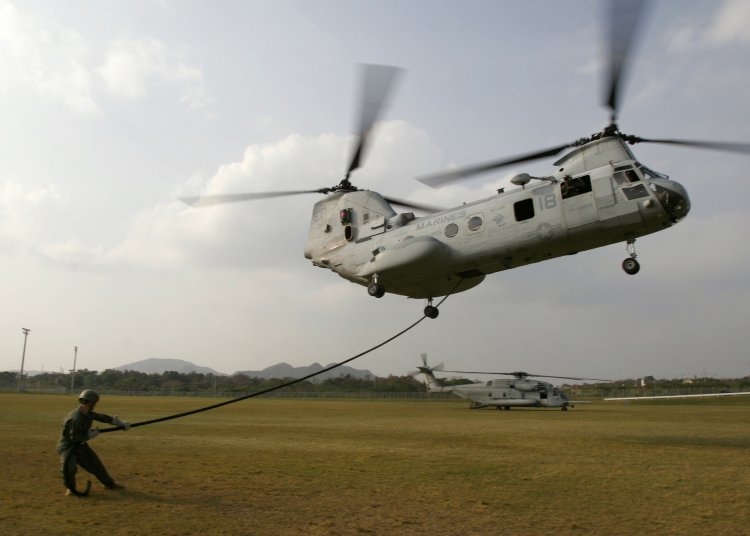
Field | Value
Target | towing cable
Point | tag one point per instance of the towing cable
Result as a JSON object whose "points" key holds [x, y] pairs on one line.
{"points": [[277, 387]]}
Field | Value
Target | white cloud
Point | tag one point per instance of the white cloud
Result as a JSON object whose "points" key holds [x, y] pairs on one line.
{"points": [[247, 236], [681, 38], [20, 219], [133, 67], [46, 58], [731, 24], [58, 63]]}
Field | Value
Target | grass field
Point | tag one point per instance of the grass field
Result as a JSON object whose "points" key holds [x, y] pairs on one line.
{"points": [[383, 467]]}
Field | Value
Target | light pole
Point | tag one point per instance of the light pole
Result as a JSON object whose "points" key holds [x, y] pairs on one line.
{"points": [[73, 375], [23, 357]]}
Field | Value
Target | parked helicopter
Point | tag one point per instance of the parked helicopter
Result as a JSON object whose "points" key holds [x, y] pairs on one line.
{"points": [[520, 391], [599, 194]]}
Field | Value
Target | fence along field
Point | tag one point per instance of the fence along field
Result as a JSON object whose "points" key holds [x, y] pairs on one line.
{"points": [[270, 466]]}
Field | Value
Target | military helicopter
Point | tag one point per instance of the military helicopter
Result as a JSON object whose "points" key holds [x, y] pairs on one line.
{"points": [[520, 391], [599, 194]]}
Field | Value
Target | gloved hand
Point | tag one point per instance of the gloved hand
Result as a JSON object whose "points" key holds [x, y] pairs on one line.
{"points": [[117, 422], [93, 433]]}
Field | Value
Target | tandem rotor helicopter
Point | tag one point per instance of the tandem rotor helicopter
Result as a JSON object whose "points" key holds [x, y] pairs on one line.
{"points": [[598, 194], [520, 391]]}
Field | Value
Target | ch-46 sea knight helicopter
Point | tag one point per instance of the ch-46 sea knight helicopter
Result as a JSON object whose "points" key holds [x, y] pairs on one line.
{"points": [[598, 194], [520, 391]]}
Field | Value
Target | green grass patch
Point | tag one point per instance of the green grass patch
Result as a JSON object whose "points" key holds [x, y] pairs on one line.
{"points": [[270, 466]]}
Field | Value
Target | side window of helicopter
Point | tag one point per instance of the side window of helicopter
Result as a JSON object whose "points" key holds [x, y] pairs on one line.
{"points": [[475, 223], [573, 186], [625, 174], [451, 230], [635, 192], [524, 210]]}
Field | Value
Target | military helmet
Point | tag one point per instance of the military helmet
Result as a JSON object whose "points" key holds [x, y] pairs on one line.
{"points": [[88, 395]]}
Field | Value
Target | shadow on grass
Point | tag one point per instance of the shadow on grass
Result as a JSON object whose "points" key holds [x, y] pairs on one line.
{"points": [[691, 441]]}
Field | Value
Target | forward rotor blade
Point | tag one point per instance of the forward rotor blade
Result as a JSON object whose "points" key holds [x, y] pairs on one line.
{"points": [[437, 180], [731, 147], [525, 374], [208, 200], [377, 81], [409, 204], [623, 20]]}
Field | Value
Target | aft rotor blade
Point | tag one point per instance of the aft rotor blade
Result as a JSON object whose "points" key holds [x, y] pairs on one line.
{"points": [[208, 200], [623, 24], [525, 374], [732, 147], [437, 180], [410, 204], [569, 378], [377, 82]]}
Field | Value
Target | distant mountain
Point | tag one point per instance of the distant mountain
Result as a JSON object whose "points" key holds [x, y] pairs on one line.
{"points": [[285, 370], [160, 366]]}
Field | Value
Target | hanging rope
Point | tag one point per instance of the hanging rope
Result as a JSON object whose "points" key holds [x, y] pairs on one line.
{"points": [[270, 389]]}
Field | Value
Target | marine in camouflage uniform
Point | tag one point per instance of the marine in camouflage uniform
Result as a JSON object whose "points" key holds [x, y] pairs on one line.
{"points": [[73, 446]]}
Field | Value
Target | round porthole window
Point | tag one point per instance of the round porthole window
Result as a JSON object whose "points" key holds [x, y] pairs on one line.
{"points": [[451, 230], [475, 223]]}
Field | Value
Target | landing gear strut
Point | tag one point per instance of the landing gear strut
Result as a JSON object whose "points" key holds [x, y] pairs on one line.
{"points": [[375, 289], [630, 265], [431, 311]]}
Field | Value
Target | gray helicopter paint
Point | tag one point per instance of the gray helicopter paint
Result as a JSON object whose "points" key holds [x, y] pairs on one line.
{"points": [[426, 257]]}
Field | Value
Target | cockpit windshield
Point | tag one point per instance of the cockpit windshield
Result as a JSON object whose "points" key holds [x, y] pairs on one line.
{"points": [[673, 198]]}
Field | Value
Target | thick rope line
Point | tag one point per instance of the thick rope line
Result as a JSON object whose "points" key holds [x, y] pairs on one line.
{"points": [[270, 389]]}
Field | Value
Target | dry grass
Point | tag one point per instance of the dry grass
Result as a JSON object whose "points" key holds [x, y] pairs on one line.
{"points": [[272, 467]]}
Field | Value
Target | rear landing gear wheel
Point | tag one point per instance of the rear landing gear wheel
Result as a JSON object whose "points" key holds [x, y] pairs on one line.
{"points": [[631, 266], [376, 290], [431, 311]]}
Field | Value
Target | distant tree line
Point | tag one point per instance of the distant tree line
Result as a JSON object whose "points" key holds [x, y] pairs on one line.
{"points": [[194, 382]]}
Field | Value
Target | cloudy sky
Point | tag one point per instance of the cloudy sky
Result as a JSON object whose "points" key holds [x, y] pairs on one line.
{"points": [[111, 111]]}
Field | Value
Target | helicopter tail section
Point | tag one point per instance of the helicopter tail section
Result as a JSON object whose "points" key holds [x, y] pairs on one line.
{"points": [[431, 381]]}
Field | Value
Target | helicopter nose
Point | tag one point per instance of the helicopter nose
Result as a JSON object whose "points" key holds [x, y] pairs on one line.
{"points": [[673, 198]]}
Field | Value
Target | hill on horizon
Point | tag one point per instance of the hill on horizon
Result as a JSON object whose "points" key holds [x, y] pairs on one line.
{"points": [[285, 370], [155, 365], [281, 370]]}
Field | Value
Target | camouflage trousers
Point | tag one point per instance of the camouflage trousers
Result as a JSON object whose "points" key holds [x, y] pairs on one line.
{"points": [[84, 456]]}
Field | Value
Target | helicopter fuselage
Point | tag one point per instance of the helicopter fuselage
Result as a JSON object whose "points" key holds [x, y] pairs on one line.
{"points": [[520, 391], [508, 393], [598, 195]]}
